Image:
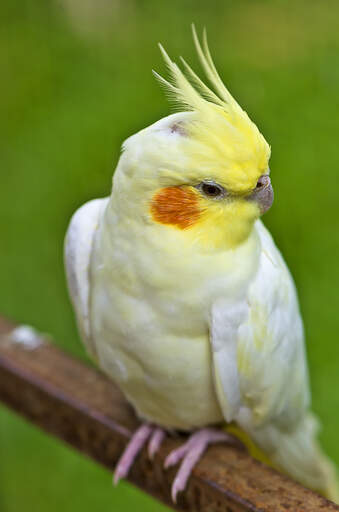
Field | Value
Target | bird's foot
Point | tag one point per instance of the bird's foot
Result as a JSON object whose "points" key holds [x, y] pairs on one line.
{"points": [[190, 453], [146, 433]]}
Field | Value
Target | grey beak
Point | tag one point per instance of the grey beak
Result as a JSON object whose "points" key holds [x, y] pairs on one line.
{"points": [[263, 193]]}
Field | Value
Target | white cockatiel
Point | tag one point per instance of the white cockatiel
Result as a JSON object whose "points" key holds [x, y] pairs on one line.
{"points": [[181, 295]]}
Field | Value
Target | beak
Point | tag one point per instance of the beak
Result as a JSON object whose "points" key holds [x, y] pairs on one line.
{"points": [[263, 193]]}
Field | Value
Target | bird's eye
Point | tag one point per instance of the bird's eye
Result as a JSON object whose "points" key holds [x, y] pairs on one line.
{"points": [[212, 190]]}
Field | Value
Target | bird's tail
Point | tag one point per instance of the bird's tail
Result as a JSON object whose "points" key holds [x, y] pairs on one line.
{"points": [[298, 454]]}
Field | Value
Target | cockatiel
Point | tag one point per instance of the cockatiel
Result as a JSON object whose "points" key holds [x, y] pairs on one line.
{"points": [[181, 295]]}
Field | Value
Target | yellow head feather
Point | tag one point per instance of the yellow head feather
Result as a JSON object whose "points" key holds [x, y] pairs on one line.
{"points": [[225, 141]]}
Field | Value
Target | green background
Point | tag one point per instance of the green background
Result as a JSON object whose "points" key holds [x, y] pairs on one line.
{"points": [[75, 82]]}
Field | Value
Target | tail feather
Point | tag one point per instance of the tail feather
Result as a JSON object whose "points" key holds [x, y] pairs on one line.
{"points": [[298, 454]]}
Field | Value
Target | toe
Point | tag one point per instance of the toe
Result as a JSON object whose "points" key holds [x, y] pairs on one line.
{"points": [[157, 438], [175, 456], [129, 455], [190, 460]]}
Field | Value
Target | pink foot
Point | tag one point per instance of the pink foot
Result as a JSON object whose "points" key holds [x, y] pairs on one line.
{"points": [[190, 453], [145, 432]]}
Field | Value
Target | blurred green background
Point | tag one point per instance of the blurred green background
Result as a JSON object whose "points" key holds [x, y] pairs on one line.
{"points": [[75, 82]]}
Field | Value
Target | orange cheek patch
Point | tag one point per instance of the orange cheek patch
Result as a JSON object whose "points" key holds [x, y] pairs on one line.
{"points": [[176, 206]]}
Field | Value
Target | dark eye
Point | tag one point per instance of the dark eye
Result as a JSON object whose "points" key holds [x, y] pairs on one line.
{"points": [[212, 190]]}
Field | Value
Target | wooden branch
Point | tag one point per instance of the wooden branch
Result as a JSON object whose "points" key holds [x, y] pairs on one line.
{"points": [[81, 406]]}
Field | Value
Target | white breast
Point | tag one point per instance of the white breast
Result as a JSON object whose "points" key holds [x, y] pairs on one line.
{"points": [[150, 313]]}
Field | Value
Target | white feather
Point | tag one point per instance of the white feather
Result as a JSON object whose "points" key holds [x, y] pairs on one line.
{"points": [[261, 373], [77, 254]]}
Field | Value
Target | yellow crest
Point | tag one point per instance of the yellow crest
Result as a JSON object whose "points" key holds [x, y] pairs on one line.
{"points": [[230, 145]]}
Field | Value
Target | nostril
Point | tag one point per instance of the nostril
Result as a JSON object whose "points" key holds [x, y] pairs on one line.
{"points": [[263, 181]]}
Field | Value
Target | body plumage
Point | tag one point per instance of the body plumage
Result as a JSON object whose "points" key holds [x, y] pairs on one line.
{"points": [[180, 292]]}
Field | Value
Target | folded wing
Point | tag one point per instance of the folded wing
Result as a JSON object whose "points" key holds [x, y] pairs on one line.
{"points": [[77, 255], [261, 372]]}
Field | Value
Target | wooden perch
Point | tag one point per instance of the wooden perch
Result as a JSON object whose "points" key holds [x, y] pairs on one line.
{"points": [[81, 406]]}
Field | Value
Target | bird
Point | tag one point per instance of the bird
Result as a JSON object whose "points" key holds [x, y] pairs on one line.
{"points": [[181, 295]]}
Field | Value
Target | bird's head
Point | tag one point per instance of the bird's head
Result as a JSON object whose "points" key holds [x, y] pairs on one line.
{"points": [[203, 172]]}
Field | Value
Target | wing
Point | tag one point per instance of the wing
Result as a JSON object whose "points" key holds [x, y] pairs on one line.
{"points": [[77, 254], [258, 348]]}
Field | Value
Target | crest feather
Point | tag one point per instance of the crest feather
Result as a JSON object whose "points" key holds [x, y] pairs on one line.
{"points": [[221, 125]]}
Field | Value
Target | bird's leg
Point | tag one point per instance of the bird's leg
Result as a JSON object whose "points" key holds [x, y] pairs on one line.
{"points": [[190, 453], [143, 434]]}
